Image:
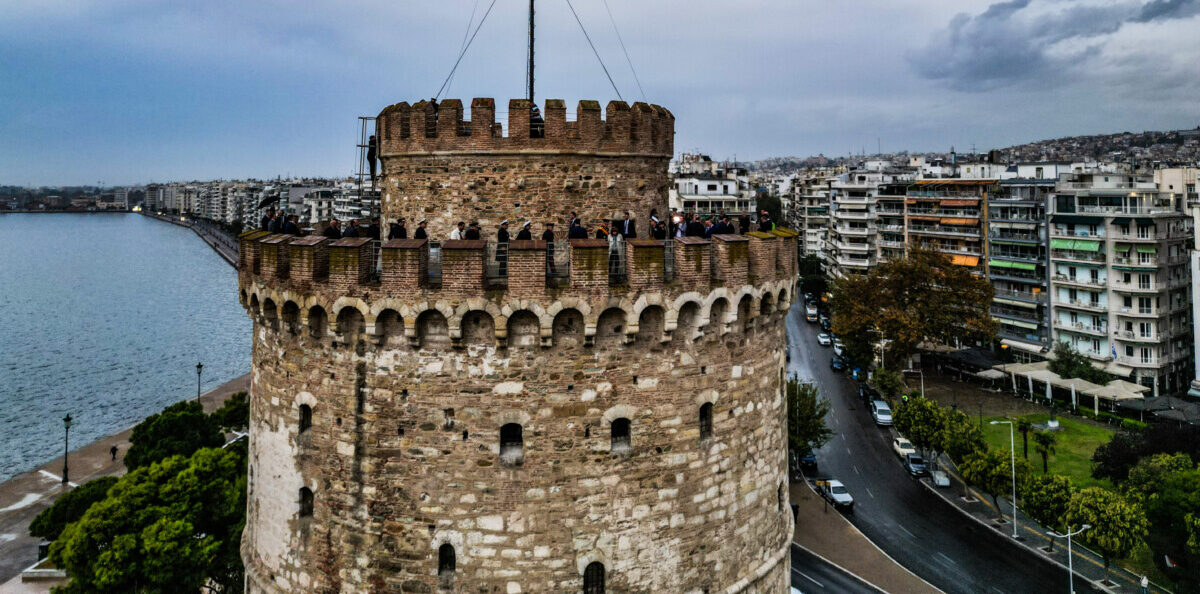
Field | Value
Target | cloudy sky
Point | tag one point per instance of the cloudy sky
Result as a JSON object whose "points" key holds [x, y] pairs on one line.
{"points": [[132, 91]]}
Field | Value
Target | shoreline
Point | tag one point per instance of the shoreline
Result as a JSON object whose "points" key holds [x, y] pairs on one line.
{"points": [[23, 496], [226, 253]]}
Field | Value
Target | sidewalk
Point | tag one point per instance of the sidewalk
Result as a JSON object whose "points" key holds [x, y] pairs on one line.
{"points": [[827, 534], [25, 495], [1088, 565]]}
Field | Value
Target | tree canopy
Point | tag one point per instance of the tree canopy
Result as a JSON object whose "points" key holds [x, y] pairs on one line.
{"points": [[961, 437], [806, 412], [1172, 507], [812, 277], [1068, 363], [234, 414], [170, 526], [1117, 526], [992, 472], [179, 430], [922, 421], [1045, 499], [1046, 444], [922, 297], [70, 507]]}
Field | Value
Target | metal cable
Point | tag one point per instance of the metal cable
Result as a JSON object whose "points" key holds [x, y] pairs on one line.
{"points": [[463, 45], [464, 50], [627, 59], [598, 58]]}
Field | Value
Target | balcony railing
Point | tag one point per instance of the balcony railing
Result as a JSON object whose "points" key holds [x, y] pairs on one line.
{"points": [[1079, 256], [967, 232], [1023, 295], [1016, 236], [1133, 210], [1102, 329], [942, 212], [1055, 232], [1138, 336], [1137, 287], [1016, 312], [1081, 304], [1083, 280]]}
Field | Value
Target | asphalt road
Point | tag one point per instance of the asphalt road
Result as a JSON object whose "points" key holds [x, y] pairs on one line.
{"points": [[913, 526], [812, 575]]}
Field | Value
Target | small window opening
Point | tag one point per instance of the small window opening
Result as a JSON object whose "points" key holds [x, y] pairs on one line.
{"points": [[593, 578], [446, 566], [620, 436], [305, 417], [512, 445], [706, 421], [306, 502]]}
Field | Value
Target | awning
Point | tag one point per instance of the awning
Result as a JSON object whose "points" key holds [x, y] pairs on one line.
{"points": [[1122, 247], [1147, 249], [964, 260], [1019, 324], [1062, 244], [1145, 222], [1017, 265], [958, 221], [1014, 302], [959, 202], [1084, 245], [1121, 221]]}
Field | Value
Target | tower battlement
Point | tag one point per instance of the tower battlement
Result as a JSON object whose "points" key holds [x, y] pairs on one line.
{"points": [[426, 127]]}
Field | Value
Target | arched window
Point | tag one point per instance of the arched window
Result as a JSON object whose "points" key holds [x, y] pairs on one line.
{"points": [[446, 566], [306, 502], [317, 322], [593, 578], [512, 444], [706, 428], [305, 417], [620, 436]]}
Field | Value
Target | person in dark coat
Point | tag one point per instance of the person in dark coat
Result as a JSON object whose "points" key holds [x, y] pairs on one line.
{"points": [[577, 231], [574, 220], [502, 234], [334, 230], [276, 223], [548, 234], [265, 224], [373, 229], [290, 227], [372, 151], [744, 224], [660, 230], [524, 234], [472, 231], [421, 232], [398, 230], [764, 222], [628, 227], [694, 227]]}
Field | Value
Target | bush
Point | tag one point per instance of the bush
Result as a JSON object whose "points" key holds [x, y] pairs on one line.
{"points": [[1133, 425], [70, 507], [179, 430]]}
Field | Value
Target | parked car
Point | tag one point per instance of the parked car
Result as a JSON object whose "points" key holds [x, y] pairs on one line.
{"points": [[868, 394], [824, 340], [808, 462], [838, 349], [837, 363], [835, 493], [882, 413], [915, 465], [826, 325], [903, 447], [940, 478]]}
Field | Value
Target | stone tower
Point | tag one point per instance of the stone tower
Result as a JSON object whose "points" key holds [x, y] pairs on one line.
{"points": [[465, 417]]}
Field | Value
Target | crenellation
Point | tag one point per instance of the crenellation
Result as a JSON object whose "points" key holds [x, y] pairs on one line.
{"points": [[349, 263]]}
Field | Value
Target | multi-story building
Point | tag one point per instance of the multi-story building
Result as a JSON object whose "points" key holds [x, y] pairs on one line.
{"points": [[704, 187], [1018, 264], [851, 248], [1120, 280], [949, 216], [808, 212], [890, 210]]}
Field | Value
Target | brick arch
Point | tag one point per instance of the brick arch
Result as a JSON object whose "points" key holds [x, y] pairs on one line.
{"points": [[612, 303], [651, 325], [523, 329], [381, 305], [653, 299], [481, 327], [596, 554], [348, 302], [270, 313], [677, 306], [618, 411], [472, 305], [290, 316], [575, 303], [611, 330], [707, 397], [431, 328], [563, 325], [255, 305], [544, 318]]}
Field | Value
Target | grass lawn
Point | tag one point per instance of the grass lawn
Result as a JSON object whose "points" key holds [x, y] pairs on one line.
{"points": [[1076, 441]]}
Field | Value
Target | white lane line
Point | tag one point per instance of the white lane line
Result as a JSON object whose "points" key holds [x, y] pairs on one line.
{"points": [[807, 577], [856, 470], [56, 477], [848, 452], [26, 501], [870, 493], [943, 555], [906, 531], [843, 436]]}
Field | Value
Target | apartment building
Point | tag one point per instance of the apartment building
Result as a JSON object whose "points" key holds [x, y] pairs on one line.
{"points": [[1018, 264], [1120, 280], [808, 211], [949, 216], [705, 187], [890, 210]]}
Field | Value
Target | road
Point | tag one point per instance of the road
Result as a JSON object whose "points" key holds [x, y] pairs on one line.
{"points": [[913, 526], [811, 574]]}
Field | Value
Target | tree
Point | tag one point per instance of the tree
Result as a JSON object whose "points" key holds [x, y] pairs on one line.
{"points": [[992, 472], [1068, 363], [922, 421], [1117, 526], [1024, 427], [770, 203], [812, 277], [179, 430], [170, 526], [922, 297], [1045, 443], [234, 415], [961, 437], [69, 507], [1145, 478], [889, 382], [1114, 459], [806, 417], [1171, 509], [1045, 499]]}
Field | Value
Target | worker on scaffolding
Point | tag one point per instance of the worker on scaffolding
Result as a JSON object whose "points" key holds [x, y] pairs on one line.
{"points": [[372, 154]]}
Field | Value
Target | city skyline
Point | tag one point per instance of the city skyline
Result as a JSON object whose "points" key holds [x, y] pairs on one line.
{"points": [[136, 92]]}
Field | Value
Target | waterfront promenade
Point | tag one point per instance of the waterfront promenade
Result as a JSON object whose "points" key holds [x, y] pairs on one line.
{"points": [[222, 242], [25, 495]]}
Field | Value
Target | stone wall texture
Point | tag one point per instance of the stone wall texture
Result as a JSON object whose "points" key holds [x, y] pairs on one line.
{"points": [[378, 402]]}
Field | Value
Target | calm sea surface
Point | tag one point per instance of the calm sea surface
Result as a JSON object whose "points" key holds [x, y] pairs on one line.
{"points": [[104, 316]]}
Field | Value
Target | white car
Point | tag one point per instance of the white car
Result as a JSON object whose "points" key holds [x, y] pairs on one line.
{"points": [[838, 349], [824, 340], [940, 478], [903, 447], [882, 413], [835, 492]]}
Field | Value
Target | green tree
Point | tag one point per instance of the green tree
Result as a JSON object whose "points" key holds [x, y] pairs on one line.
{"points": [[1045, 499], [812, 277], [922, 422], [1068, 363], [806, 417], [922, 297], [1145, 478], [171, 526], [1171, 505], [1024, 426], [1117, 525], [961, 437], [1045, 442], [179, 430], [1114, 459], [69, 507], [234, 415], [991, 471], [770, 203], [889, 382]]}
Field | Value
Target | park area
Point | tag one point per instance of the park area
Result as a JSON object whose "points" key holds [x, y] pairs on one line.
{"points": [[1077, 439]]}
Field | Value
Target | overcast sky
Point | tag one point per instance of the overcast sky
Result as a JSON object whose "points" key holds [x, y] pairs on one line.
{"points": [[132, 91]]}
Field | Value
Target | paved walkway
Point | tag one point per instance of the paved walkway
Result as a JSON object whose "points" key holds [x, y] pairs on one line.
{"points": [[222, 242], [827, 534], [25, 495]]}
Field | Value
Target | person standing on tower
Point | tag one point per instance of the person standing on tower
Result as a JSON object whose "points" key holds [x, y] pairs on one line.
{"points": [[421, 232], [524, 234], [628, 227], [265, 224], [398, 230], [372, 153], [459, 231], [502, 234], [548, 237], [472, 231], [333, 231]]}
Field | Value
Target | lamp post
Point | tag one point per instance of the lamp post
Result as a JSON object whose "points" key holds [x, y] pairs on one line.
{"points": [[1004, 358], [1012, 450], [1070, 557], [199, 370], [66, 445]]}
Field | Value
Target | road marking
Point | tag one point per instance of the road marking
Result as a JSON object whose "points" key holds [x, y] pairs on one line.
{"points": [[806, 576], [943, 555], [856, 470], [906, 531], [56, 477], [848, 452], [870, 493], [26, 501]]}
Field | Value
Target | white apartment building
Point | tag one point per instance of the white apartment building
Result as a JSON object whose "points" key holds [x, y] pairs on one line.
{"points": [[704, 187], [851, 245]]}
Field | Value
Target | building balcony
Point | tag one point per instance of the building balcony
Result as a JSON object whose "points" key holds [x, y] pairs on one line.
{"points": [[1101, 330], [1026, 336], [942, 212], [1137, 287], [854, 263], [1028, 296], [1138, 361], [852, 247], [1080, 304], [1079, 281], [1064, 234], [897, 228], [1023, 237], [1096, 355], [891, 244], [890, 211], [1074, 256], [857, 231], [943, 231], [1128, 336], [853, 215], [1138, 312]]}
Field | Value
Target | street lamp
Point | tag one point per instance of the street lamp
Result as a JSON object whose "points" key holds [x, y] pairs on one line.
{"points": [[1012, 450], [66, 445], [1070, 557], [199, 369]]}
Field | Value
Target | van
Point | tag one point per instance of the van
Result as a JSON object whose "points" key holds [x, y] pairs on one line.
{"points": [[882, 413], [810, 313]]}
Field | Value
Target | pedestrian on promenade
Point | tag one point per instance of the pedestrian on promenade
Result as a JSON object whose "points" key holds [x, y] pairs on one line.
{"points": [[399, 230], [524, 234], [334, 230], [421, 232], [113, 451]]}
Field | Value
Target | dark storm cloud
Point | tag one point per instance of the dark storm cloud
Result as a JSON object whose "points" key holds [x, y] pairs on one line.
{"points": [[1019, 40]]}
